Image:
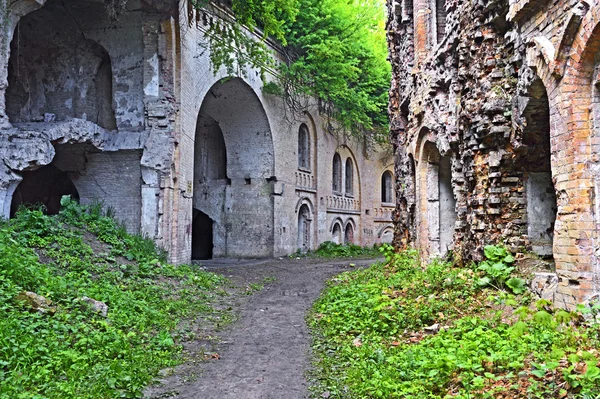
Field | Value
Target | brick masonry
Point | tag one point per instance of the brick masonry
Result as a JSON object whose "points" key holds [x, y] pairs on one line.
{"points": [[131, 110], [509, 93]]}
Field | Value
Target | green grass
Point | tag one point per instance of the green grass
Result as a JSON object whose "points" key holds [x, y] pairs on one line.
{"points": [[370, 340], [329, 249], [73, 352]]}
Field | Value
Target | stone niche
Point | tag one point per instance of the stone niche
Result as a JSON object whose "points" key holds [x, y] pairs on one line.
{"points": [[55, 72]]}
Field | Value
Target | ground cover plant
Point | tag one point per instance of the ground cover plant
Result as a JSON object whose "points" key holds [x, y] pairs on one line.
{"points": [[400, 330], [330, 249], [59, 344]]}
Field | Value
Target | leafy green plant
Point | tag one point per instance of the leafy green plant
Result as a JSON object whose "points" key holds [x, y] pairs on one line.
{"points": [[498, 268], [74, 351]]}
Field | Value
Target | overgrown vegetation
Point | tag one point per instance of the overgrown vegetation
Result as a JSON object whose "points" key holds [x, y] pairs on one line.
{"points": [[330, 249], [68, 349], [335, 51], [399, 330]]}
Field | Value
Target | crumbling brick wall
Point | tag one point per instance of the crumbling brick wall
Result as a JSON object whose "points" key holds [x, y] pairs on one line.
{"points": [[496, 94]]}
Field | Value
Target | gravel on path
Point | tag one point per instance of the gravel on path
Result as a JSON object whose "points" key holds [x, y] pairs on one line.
{"points": [[266, 352]]}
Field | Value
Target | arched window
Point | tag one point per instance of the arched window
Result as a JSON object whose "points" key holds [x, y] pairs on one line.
{"points": [[337, 173], [349, 177], [303, 147], [386, 186]]}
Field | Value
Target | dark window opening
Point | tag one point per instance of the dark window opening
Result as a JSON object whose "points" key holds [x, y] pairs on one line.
{"points": [[440, 19], [386, 186], [337, 173], [303, 147]]}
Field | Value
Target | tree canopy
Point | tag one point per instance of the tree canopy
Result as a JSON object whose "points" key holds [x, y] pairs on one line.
{"points": [[335, 51]]}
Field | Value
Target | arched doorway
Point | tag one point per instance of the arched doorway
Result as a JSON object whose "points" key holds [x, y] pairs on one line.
{"points": [[233, 169], [202, 236], [304, 226], [541, 195], [44, 186], [336, 233], [349, 234]]}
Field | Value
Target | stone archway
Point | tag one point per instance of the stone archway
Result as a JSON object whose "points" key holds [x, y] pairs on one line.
{"points": [[535, 153], [233, 169], [336, 233], [349, 234]]}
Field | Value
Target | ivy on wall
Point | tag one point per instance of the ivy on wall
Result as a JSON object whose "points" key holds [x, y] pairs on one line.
{"points": [[334, 50]]}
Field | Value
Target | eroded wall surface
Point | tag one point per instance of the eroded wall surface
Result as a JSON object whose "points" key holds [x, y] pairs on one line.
{"points": [[509, 94], [126, 109]]}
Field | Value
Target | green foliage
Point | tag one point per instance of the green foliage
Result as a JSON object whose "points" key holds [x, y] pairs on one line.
{"points": [[74, 352], [338, 50], [370, 340], [335, 52], [498, 268], [330, 249]]}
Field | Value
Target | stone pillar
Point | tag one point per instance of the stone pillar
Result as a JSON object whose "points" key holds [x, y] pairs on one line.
{"points": [[161, 186]]}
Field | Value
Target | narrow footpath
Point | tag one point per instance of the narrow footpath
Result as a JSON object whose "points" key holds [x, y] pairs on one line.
{"points": [[265, 353]]}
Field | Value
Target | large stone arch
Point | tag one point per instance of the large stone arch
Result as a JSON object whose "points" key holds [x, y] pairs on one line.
{"points": [[237, 199]]}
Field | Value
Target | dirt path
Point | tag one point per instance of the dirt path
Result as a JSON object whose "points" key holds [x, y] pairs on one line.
{"points": [[266, 352]]}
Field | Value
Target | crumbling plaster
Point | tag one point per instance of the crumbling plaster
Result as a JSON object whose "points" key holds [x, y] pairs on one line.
{"points": [[143, 165]]}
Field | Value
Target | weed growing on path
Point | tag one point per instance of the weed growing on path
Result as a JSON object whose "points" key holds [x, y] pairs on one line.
{"points": [[69, 349], [399, 330]]}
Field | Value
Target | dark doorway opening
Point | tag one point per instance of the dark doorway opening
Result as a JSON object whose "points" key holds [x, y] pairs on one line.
{"points": [[44, 186], [202, 236]]}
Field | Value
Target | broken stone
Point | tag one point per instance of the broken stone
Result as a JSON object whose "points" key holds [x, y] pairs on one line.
{"points": [[97, 306], [433, 329], [544, 285], [36, 302]]}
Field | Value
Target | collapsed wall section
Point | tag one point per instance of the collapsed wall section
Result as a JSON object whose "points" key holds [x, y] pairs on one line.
{"points": [[90, 96], [506, 94]]}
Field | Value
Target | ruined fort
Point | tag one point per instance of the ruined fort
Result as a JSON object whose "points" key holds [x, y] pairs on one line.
{"points": [[128, 111], [496, 125]]}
